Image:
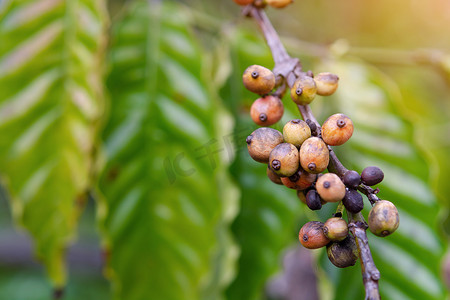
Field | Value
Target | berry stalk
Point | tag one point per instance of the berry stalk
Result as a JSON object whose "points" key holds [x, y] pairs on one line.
{"points": [[290, 69]]}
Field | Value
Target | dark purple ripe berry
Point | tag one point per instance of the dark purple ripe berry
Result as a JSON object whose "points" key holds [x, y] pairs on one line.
{"points": [[353, 201], [313, 200], [352, 179], [372, 176]]}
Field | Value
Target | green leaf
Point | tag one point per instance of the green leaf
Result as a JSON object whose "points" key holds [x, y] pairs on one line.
{"points": [[169, 203], [50, 105], [409, 260]]}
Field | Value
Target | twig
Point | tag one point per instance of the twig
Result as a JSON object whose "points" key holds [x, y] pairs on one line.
{"points": [[370, 273], [290, 69]]}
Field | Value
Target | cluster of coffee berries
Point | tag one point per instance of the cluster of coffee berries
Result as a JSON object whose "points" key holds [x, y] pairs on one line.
{"points": [[262, 3], [298, 157], [268, 109]]}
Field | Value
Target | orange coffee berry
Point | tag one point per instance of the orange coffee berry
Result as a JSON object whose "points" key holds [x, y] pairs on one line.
{"points": [[337, 129], [314, 155], [266, 111]]}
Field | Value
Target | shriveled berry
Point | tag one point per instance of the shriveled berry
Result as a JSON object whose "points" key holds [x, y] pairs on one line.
{"points": [[336, 229], [343, 254], [301, 195], [258, 79], [243, 2], [337, 129], [383, 218], [273, 176], [304, 90], [300, 180], [313, 200], [314, 155], [352, 179], [296, 132], [326, 83], [279, 3], [353, 201], [266, 111], [261, 142], [311, 235], [372, 176], [330, 187], [283, 159]]}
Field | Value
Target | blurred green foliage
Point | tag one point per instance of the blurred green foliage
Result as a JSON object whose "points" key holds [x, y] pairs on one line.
{"points": [[182, 211]]}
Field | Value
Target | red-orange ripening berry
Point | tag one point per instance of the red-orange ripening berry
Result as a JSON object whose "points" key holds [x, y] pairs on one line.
{"points": [[243, 2], [330, 187], [279, 3], [314, 155], [261, 142], [311, 235], [304, 90], [337, 129], [283, 160], [300, 180], [273, 176], [258, 79], [326, 83], [266, 111]]}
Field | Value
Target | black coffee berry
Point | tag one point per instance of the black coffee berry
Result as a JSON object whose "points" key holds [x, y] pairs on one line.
{"points": [[353, 201], [372, 176], [313, 200], [352, 179]]}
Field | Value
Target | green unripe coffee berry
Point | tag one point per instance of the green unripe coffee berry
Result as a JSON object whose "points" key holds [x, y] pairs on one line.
{"points": [[304, 90], [330, 187], [261, 142], [279, 3], [336, 229], [337, 129], [273, 176], [326, 83], [311, 235], [301, 180], [266, 111], [314, 155], [258, 79], [383, 218], [283, 160], [296, 132], [343, 254]]}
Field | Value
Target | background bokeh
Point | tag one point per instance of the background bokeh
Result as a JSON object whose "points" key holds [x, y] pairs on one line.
{"points": [[122, 128]]}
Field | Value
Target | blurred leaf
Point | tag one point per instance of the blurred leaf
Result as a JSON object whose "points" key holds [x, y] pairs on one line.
{"points": [[50, 104], [409, 260], [169, 199]]}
